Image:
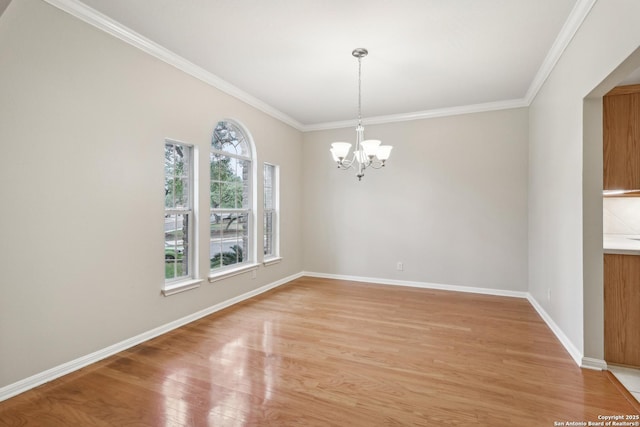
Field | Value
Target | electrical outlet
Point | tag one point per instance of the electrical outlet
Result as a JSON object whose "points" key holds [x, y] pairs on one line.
{"points": [[399, 266], [253, 274]]}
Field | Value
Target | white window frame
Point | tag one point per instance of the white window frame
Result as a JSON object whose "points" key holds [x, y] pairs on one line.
{"points": [[188, 281], [248, 264], [274, 210]]}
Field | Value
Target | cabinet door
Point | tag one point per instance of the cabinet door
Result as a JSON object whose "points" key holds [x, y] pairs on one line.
{"points": [[622, 309], [621, 129]]}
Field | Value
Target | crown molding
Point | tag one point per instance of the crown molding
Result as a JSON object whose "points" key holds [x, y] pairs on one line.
{"points": [[569, 29], [418, 115], [577, 16], [116, 29]]}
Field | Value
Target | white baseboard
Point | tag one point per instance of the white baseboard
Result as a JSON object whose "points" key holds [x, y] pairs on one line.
{"points": [[564, 340], [595, 364], [583, 362], [423, 285], [66, 368]]}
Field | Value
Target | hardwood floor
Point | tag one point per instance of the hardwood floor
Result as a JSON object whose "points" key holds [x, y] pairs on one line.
{"points": [[319, 352]]}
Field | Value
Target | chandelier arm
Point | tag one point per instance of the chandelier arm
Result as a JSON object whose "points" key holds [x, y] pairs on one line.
{"points": [[348, 164]]}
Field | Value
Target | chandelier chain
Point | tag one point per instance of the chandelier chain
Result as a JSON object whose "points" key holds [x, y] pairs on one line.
{"points": [[359, 90]]}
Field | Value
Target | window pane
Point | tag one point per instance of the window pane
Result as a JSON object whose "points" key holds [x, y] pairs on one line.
{"points": [[221, 167], [176, 175], [268, 198], [176, 239], [268, 233], [168, 192], [245, 190], [215, 189], [240, 195], [182, 161], [241, 177], [240, 169], [243, 236], [227, 197], [270, 211], [229, 138], [215, 241], [181, 188], [183, 244], [169, 161], [169, 173], [229, 183], [269, 178], [229, 238]]}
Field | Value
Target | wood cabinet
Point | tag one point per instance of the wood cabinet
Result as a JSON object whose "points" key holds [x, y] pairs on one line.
{"points": [[621, 145], [622, 309]]}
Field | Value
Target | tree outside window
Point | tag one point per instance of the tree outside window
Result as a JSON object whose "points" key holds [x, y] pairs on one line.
{"points": [[230, 196], [178, 212]]}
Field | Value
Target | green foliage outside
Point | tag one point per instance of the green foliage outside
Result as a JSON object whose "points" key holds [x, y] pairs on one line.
{"points": [[169, 272], [227, 258], [175, 164], [226, 188], [176, 193], [173, 263], [227, 192]]}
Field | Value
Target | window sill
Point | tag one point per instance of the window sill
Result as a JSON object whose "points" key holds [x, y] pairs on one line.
{"points": [[176, 288], [271, 260], [232, 272]]}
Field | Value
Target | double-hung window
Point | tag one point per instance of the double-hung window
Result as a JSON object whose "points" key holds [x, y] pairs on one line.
{"points": [[270, 214], [178, 212], [230, 198]]}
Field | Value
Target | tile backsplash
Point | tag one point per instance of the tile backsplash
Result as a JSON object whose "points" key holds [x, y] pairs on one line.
{"points": [[621, 215]]}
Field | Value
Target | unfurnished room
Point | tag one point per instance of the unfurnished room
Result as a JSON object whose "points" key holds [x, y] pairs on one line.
{"points": [[320, 213]]}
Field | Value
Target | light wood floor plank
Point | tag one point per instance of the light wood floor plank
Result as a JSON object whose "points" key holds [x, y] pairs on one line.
{"points": [[319, 352]]}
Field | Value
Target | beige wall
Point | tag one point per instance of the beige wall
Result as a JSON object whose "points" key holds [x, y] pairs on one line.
{"points": [[451, 203], [565, 174], [83, 121]]}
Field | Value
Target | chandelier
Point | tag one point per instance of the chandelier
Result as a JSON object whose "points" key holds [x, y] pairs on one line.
{"points": [[367, 153]]}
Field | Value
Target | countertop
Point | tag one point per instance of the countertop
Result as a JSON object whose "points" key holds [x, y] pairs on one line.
{"points": [[623, 244]]}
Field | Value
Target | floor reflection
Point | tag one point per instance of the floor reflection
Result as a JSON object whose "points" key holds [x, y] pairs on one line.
{"points": [[176, 406]]}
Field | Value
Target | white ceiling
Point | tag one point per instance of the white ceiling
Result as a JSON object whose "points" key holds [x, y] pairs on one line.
{"points": [[632, 79], [295, 55]]}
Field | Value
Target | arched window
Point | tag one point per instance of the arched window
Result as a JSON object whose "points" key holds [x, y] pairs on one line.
{"points": [[232, 233]]}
